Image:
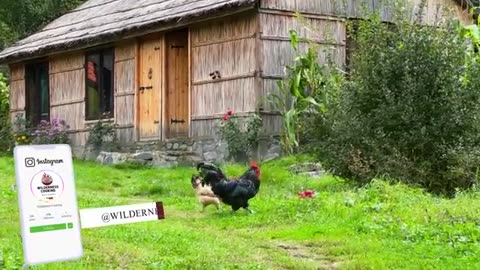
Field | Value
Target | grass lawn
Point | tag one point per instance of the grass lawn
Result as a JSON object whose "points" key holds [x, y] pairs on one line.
{"points": [[381, 226]]}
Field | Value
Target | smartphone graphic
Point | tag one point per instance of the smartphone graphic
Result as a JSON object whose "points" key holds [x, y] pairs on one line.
{"points": [[47, 202]]}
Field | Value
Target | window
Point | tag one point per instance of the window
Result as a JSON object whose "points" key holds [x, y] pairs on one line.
{"points": [[99, 84], [37, 93]]}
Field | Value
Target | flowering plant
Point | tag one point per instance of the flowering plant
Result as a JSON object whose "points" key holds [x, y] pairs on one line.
{"points": [[241, 138], [21, 134], [53, 132]]}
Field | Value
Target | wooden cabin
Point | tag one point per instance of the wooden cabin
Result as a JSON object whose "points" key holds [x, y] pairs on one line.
{"points": [[165, 71]]}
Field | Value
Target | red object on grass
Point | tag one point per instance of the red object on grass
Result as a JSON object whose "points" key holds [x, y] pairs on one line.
{"points": [[306, 194]]}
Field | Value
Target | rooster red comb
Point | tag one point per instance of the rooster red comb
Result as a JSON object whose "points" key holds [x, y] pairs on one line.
{"points": [[254, 164]]}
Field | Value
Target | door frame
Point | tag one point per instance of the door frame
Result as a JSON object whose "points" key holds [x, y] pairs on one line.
{"points": [[164, 84], [163, 92]]}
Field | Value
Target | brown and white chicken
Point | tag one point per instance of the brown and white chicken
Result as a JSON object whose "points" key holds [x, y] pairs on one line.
{"points": [[204, 193]]}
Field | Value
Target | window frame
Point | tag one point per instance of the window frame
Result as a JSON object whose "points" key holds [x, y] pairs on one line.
{"points": [[29, 66], [100, 51]]}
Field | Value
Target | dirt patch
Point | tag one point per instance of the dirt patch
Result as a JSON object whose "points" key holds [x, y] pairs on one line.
{"points": [[306, 252]]}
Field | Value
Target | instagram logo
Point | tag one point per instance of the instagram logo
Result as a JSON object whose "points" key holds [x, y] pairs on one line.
{"points": [[29, 162]]}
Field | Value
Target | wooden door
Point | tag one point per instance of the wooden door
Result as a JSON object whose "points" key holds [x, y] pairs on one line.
{"points": [[149, 89], [177, 74]]}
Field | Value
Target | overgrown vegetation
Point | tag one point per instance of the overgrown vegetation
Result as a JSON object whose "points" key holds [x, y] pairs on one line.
{"points": [[408, 109], [46, 132], [4, 114], [103, 136], [241, 135], [21, 18], [306, 91]]}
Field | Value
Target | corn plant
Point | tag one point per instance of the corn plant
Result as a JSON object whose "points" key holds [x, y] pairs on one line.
{"points": [[306, 90]]}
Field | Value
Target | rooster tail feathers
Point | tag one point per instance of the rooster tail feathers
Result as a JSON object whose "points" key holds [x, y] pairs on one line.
{"points": [[206, 167]]}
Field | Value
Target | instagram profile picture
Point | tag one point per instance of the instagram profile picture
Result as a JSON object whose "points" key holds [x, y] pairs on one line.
{"points": [[47, 186]]}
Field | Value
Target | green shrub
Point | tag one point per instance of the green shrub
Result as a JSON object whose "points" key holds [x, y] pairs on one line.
{"points": [[305, 91], [51, 132], [4, 114], [409, 111], [241, 141], [103, 136], [46, 132]]}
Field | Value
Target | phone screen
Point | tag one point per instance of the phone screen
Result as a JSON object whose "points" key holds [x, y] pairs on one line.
{"points": [[47, 203]]}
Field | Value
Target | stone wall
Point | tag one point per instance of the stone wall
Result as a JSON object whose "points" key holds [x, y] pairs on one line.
{"points": [[187, 152]]}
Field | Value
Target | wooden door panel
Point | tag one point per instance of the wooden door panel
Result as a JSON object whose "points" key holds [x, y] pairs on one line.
{"points": [[177, 83], [149, 91]]}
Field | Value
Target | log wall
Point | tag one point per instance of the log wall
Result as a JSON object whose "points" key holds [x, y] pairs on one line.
{"points": [[67, 93], [17, 91], [125, 84], [328, 34], [355, 8], [229, 47]]}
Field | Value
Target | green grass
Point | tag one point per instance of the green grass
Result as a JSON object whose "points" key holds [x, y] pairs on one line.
{"points": [[380, 226]]}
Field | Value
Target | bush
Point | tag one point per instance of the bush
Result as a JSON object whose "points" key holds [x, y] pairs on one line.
{"points": [[409, 110], [53, 132], [4, 114], [241, 142], [103, 136]]}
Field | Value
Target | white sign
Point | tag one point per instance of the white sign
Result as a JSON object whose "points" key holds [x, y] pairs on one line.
{"points": [[47, 203], [115, 215]]}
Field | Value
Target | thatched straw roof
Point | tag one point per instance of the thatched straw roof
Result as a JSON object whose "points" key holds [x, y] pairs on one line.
{"points": [[100, 21]]}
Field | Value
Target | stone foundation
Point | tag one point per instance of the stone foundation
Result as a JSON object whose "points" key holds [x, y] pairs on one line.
{"points": [[186, 152]]}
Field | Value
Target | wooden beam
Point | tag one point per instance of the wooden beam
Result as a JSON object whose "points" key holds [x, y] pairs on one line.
{"points": [[16, 80], [227, 78], [122, 94], [58, 104], [317, 41], [136, 84], [17, 110], [223, 40], [259, 60], [273, 76], [189, 87], [124, 60], [65, 71], [290, 13], [220, 115]]}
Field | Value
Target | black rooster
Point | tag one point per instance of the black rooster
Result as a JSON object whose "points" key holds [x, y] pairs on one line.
{"points": [[235, 192]]}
